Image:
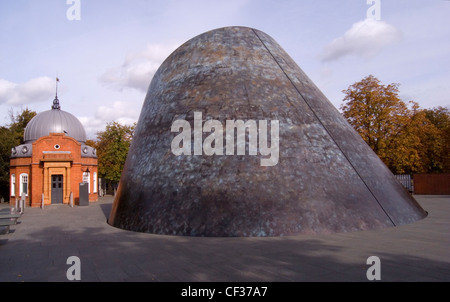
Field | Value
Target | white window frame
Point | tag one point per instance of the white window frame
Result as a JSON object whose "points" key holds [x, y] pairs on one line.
{"points": [[23, 176], [94, 180], [87, 179], [13, 184]]}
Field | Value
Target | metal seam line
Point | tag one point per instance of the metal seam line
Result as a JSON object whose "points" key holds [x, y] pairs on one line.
{"points": [[332, 138]]}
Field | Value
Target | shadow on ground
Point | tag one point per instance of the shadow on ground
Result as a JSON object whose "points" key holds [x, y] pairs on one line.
{"points": [[110, 254]]}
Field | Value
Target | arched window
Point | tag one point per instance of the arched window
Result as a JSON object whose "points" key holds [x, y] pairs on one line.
{"points": [[24, 184], [13, 184]]}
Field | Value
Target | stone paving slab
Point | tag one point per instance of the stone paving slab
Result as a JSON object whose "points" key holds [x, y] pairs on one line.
{"points": [[38, 247]]}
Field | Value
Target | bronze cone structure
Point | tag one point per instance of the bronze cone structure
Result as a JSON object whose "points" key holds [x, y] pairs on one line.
{"points": [[327, 178]]}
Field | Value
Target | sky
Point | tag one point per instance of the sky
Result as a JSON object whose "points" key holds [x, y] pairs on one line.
{"points": [[106, 52]]}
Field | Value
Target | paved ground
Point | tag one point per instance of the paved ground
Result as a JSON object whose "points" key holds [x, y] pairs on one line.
{"points": [[37, 250]]}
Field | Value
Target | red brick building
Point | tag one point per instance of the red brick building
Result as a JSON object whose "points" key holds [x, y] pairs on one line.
{"points": [[53, 161]]}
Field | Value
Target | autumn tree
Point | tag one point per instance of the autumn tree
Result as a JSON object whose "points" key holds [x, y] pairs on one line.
{"points": [[10, 136], [399, 133], [91, 143], [440, 118], [112, 149], [446, 150], [417, 147]]}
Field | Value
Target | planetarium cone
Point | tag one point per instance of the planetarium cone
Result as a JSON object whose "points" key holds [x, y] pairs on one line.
{"points": [[298, 168]]}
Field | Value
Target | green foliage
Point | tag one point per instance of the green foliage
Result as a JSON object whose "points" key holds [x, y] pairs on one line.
{"points": [[19, 123], [112, 149], [10, 137], [406, 138]]}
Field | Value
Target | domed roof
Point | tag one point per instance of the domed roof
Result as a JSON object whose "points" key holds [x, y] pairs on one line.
{"points": [[54, 121]]}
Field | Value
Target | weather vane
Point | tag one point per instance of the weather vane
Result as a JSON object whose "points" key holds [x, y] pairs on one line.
{"points": [[56, 101]]}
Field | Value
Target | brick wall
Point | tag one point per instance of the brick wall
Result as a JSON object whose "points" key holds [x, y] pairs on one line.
{"points": [[66, 159], [20, 166]]}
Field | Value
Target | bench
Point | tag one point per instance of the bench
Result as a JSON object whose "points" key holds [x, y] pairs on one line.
{"points": [[14, 215], [4, 229], [9, 211], [4, 222], [5, 225], [5, 218], [8, 217]]}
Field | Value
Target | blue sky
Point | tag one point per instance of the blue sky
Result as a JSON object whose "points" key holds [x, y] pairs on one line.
{"points": [[105, 60]]}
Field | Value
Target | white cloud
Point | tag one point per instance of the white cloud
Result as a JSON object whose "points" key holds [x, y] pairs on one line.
{"points": [[365, 38], [33, 91], [121, 112], [138, 68], [91, 126]]}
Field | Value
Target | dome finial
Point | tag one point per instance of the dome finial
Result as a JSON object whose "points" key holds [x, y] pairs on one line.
{"points": [[56, 101]]}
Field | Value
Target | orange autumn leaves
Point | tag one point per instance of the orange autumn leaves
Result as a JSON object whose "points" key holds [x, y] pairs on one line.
{"points": [[408, 139]]}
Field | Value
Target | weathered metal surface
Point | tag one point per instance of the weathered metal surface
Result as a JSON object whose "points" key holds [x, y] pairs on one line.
{"points": [[326, 180]]}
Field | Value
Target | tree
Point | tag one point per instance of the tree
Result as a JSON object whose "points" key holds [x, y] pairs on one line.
{"points": [[10, 137], [6, 143], [440, 118], [19, 123], [375, 111], [446, 150], [399, 133], [417, 148], [91, 143], [112, 149]]}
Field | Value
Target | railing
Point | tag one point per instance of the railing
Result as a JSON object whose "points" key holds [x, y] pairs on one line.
{"points": [[406, 181]]}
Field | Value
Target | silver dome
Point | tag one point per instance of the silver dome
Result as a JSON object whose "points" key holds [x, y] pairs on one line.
{"points": [[54, 121]]}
